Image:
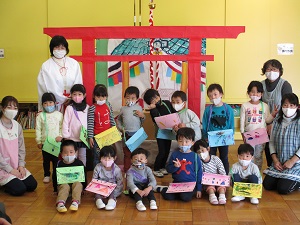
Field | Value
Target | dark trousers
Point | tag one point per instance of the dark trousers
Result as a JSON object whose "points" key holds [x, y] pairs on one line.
{"points": [[183, 196], [163, 153], [283, 186], [47, 158], [18, 187], [127, 155], [250, 179], [223, 151], [268, 156], [137, 197]]}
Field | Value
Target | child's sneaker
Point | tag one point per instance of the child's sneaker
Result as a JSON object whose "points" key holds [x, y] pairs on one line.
{"points": [[100, 204], [74, 206], [153, 204], [158, 174], [213, 199], [60, 207], [254, 201], [111, 204], [222, 199], [140, 206], [46, 180], [164, 171], [237, 198]]}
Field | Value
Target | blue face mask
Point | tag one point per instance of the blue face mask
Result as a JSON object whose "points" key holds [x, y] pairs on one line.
{"points": [[139, 165], [50, 109], [185, 148]]}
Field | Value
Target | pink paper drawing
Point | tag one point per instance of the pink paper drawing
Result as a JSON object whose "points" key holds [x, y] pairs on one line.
{"points": [[215, 179], [167, 121], [181, 187], [256, 137], [101, 187]]}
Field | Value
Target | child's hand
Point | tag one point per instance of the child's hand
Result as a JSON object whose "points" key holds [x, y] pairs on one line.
{"points": [[40, 146], [181, 125], [147, 190], [199, 194], [140, 192], [91, 140], [175, 128], [177, 163], [275, 111], [58, 139], [139, 114]]}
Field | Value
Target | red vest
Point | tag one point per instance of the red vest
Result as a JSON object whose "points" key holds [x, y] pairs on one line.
{"points": [[101, 118]]}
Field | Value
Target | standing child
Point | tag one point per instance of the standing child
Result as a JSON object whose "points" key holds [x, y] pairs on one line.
{"points": [[187, 117], [218, 116], [108, 171], [140, 180], [245, 170], [164, 138], [211, 164], [100, 118], [75, 117], [185, 166], [130, 120], [48, 124], [68, 150], [255, 114]]}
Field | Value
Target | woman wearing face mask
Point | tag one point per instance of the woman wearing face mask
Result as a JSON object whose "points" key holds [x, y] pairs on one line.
{"points": [[274, 88], [59, 73], [15, 178], [284, 174]]}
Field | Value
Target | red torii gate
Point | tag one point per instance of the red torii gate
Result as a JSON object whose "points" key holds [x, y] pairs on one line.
{"points": [[194, 57]]}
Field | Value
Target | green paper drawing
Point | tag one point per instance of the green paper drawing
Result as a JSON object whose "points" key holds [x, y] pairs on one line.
{"points": [[69, 175]]}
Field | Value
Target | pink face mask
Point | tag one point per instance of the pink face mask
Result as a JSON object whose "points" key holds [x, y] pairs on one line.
{"points": [[107, 163], [77, 99]]}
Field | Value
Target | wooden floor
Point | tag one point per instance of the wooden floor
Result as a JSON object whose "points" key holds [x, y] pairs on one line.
{"points": [[39, 207]]}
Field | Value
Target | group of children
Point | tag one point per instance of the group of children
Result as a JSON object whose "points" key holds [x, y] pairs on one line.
{"points": [[194, 156]]}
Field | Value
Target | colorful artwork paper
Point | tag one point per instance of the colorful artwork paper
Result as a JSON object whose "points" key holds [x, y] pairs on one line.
{"points": [[167, 121], [69, 175], [216, 179], [51, 146], [84, 136], [137, 139], [220, 138], [247, 190], [181, 187], [108, 137], [101, 187], [256, 137]]}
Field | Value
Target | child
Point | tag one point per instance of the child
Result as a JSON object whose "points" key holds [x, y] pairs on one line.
{"points": [[211, 164], [68, 150], [100, 118], [140, 180], [130, 120], [218, 116], [187, 117], [48, 123], [75, 117], [108, 171], [164, 138], [255, 114], [245, 170], [185, 166]]}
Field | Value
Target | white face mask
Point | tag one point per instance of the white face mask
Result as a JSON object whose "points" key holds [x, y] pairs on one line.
{"points": [[130, 103], [69, 158], [254, 98], [178, 107], [10, 113], [244, 162], [216, 101], [59, 54], [288, 112], [272, 75], [101, 102], [204, 155]]}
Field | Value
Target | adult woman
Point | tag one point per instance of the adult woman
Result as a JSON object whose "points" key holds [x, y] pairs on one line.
{"points": [[59, 73], [284, 174], [15, 178], [274, 88]]}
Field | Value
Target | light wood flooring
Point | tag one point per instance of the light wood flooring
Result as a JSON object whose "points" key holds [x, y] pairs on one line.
{"points": [[39, 207]]}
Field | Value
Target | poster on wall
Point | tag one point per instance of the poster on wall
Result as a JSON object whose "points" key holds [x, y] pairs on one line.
{"points": [[285, 49]]}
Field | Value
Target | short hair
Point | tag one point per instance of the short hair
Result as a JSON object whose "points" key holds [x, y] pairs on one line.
{"points": [[107, 151], [57, 41], [100, 90], [272, 62], [202, 142], [48, 96], [186, 132], [132, 90], [256, 84], [180, 94], [6, 100], [293, 99], [149, 95], [78, 87], [140, 151], [68, 143], [215, 87], [245, 148]]}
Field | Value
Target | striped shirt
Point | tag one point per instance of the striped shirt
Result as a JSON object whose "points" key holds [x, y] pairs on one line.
{"points": [[214, 166]]}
